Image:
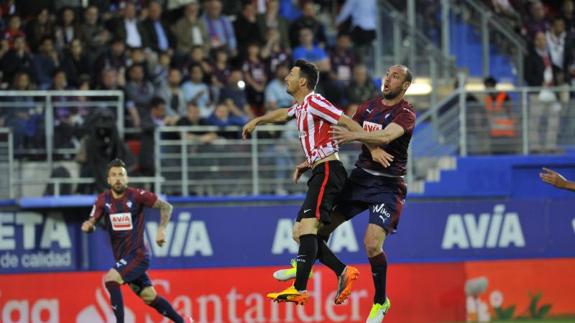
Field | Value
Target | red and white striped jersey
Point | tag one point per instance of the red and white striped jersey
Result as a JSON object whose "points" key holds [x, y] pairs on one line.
{"points": [[314, 117]]}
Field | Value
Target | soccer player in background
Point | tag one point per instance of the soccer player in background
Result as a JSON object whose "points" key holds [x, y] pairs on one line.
{"points": [[552, 177], [314, 115], [122, 210], [377, 185]]}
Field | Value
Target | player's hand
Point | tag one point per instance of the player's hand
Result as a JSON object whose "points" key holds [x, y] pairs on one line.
{"points": [[299, 170], [88, 226], [161, 237], [552, 177], [381, 156], [249, 128], [342, 135]]}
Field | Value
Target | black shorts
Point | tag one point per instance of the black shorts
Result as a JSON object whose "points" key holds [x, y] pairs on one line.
{"points": [[383, 196], [324, 186]]}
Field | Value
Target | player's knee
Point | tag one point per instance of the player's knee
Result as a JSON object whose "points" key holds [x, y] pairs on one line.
{"points": [[148, 295], [112, 277], [372, 246]]}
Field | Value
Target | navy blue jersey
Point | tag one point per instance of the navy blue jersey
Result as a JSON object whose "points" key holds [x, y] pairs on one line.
{"points": [[124, 220], [373, 115]]}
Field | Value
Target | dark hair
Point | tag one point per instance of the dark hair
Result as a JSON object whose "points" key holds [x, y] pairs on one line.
{"points": [[490, 81], [115, 163], [308, 71], [156, 101]]}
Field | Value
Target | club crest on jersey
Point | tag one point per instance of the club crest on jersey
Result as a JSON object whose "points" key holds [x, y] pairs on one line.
{"points": [[371, 126], [121, 221]]}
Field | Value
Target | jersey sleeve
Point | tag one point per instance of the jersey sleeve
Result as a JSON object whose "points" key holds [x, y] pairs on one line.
{"points": [[146, 198], [405, 119], [358, 115], [97, 209], [324, 109], [291, 111]]}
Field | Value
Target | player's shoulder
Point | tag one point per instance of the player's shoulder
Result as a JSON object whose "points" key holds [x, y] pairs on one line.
{"points": [[406, 106], [371, 103], [100, 198]]}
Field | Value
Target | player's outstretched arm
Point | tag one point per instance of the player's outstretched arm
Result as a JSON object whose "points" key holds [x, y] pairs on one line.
{"points": [[380, 137], [378, 154], [165, 215], [278, 115], [552, 177]]}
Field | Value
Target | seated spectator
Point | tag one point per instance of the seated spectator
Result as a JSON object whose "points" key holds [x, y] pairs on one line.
{"points": [[223, 118], [110, 80], [157, 35], [273, 52], [197, 92], [198, 56], [234, 97], [310, 52], [220, 69], [75, 63], [308, 20], [127, 27], [342, 59], [139, 91], [246, 28], [271, 20], [172, 93], [568, 15], [556, 42], [219, 28], [256, 77], [66, 29], [114, 57], [360, 89], [276, 96], [39, 28], [536, 22], [24, 120], [14, 30], [93, 34], [154, 116], [193, 118], [544, 104], [45, 63], [190, 31], [16, 59]]}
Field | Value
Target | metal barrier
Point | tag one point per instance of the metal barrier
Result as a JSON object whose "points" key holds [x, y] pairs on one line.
{"points": [[229, 165], [41, 106], [6, 163], [534, 121]]}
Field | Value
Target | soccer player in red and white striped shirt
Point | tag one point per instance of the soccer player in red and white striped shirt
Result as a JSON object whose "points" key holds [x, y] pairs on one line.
{"points": [[314, 115]]}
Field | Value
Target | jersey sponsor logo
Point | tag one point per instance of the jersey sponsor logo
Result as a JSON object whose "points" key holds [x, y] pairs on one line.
{"points": [[498, 230], [121, 221], [371, 126]]}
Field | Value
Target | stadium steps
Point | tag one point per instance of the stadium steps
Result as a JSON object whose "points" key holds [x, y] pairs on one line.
{"points": [[499, 176]]}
